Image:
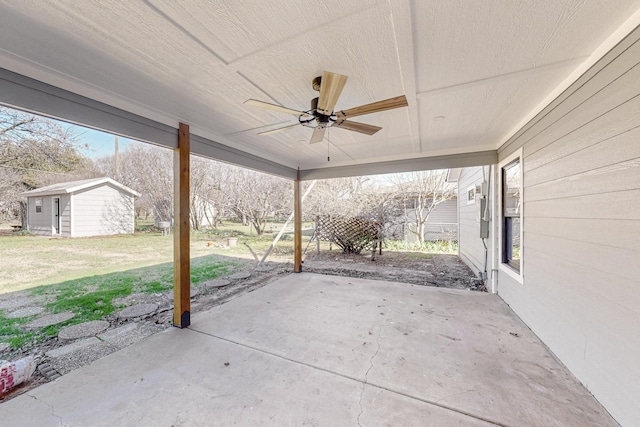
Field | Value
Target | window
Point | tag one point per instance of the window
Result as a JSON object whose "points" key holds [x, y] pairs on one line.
{"points": [[471, 195], [39, 205], [512, 214]]}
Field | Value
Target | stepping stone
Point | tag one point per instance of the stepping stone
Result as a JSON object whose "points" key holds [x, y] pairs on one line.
{"points": [[137, 310], [52, 319], [128, 334], [17, 302], [25, 312], [217, 283], [71, 348], [240, 276], [4, 346], [264, 268], [83, 330]]}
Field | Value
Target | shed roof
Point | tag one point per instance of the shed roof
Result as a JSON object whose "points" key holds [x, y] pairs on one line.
{"points": [[74, 186]]}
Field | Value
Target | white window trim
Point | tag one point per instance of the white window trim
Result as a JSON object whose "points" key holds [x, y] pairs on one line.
{"points": [[53, 216], [72, 231], [518, 276], [471, 201]]}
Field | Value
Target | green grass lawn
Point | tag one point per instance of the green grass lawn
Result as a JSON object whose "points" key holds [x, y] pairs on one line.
{"points": [[31, 261], [93, 297]]}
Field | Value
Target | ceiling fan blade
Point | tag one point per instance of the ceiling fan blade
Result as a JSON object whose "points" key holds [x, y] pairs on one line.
{"points": [[275, 107], [374, 107], [358, 127], [276, 130], [318, 135], [330, 89]]}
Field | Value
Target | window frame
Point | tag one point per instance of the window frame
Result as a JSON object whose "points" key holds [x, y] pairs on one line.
{"points": [[502, 266], [471, 190], [38, 205]]}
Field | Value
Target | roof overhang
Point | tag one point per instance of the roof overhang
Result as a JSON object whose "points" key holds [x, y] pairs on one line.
{"points": [[489, 68]]}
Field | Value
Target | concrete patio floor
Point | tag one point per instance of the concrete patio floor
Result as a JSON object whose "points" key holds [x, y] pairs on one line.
{"points": [[326, 351]]}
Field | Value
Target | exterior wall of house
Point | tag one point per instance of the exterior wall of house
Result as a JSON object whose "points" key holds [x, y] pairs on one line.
{"points": [[441, 225], [472, 251], [580, 291], [40, 223], [102, 211], [443, 222]]}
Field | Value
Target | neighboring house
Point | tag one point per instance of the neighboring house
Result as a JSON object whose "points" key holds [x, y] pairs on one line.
{"points": [[441, 225], [204, 213], [91, 207], [471, 245]]}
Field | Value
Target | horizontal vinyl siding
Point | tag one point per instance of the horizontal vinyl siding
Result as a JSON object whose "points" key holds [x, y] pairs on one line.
{"points": [[65, 215], [442, 222], [470, 244], [40, 223], [102, 211], [581, 290]]}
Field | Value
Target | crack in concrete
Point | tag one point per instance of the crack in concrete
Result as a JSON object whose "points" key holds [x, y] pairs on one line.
{"points": [[53, 412], [366, 374], [329, 371]]}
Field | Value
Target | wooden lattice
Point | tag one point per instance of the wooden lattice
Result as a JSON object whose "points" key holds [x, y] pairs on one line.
{"points": [[351, 234]]}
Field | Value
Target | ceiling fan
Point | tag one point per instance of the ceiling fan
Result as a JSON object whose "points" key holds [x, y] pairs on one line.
{"points": [[321, 115]]}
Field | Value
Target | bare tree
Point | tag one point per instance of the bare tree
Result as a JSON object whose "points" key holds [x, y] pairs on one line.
{"points": [[255, 196], [207, 198], [420, 193], [341, 196], [147, 169], [35, 151]]}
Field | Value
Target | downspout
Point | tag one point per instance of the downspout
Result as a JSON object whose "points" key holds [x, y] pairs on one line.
{"points": [[493, 231]]}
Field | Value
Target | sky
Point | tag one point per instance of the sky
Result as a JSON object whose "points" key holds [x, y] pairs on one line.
{"points": [[99, 144]]}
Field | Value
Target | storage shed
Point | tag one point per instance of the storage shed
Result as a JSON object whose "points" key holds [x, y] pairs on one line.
{"points": [[91, 207]]}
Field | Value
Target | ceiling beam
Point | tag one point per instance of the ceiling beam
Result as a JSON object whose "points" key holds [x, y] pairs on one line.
{"points": [[478, 158], [24, 93], [224, 153]]}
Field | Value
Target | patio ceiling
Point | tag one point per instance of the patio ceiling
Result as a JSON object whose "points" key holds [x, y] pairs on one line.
{"points": [[473, 72]]}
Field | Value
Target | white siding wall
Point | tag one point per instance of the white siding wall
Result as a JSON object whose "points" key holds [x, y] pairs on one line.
{"points": [[102, 211], [471, 248], [40, 223], [65, 215], [581, 290], [442, 223]]}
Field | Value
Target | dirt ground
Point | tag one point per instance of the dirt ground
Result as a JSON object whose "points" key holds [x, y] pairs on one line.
{"points": [[440, 270], [408, 267]]}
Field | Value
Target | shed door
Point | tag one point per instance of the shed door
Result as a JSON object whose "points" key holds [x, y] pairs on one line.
{"points": [[56, 215]]}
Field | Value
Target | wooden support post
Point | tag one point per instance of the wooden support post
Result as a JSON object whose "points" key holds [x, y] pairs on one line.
{"points": [[181, 255], [297, 225]]}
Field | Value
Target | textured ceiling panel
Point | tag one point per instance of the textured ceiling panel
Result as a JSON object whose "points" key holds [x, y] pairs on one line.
{"points": [[474, 115], [464, 41], [234, 29]]}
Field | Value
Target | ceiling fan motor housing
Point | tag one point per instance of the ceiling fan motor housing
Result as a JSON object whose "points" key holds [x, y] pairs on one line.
{"points": [[322, 119]]}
